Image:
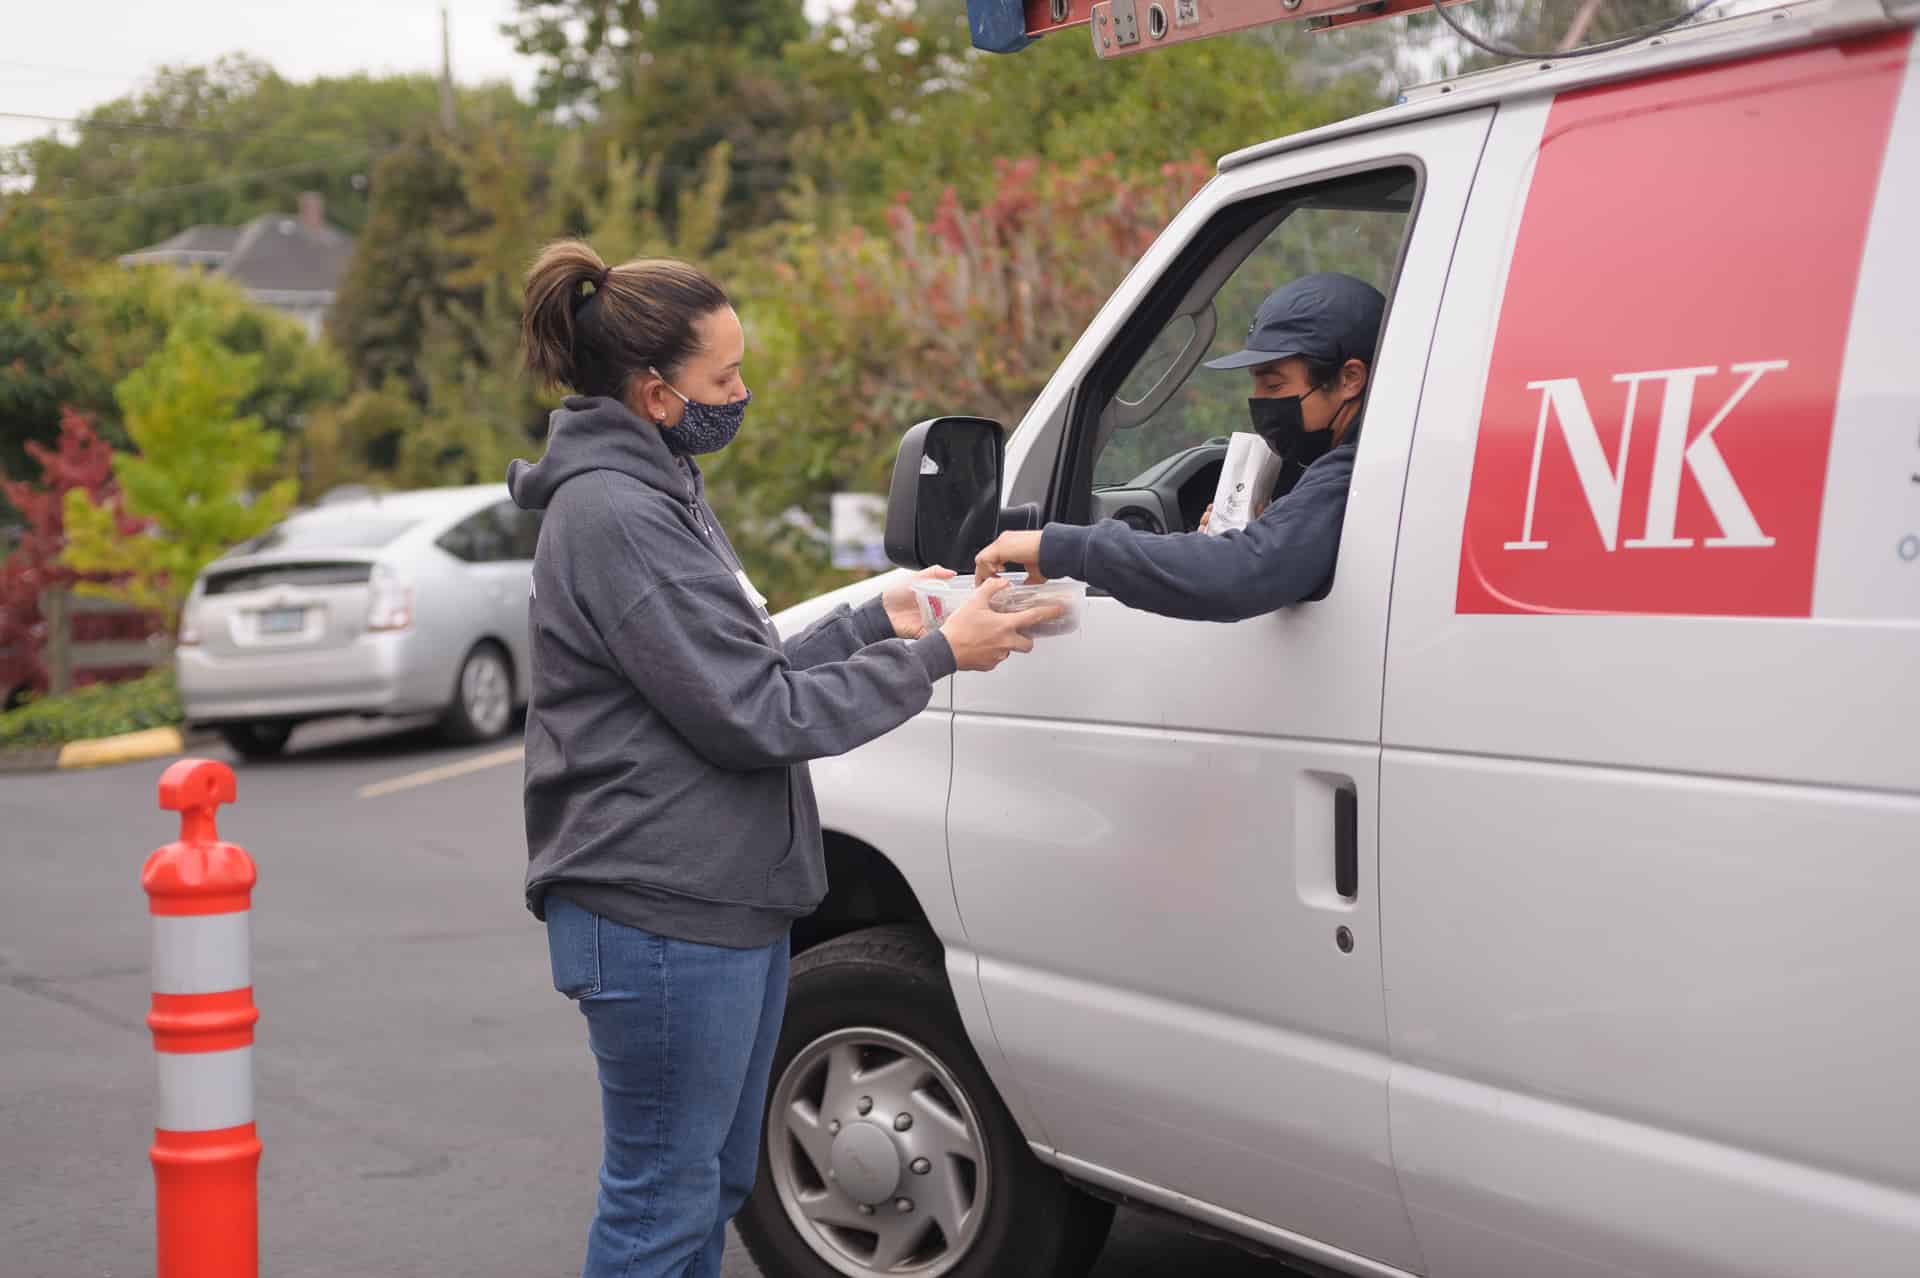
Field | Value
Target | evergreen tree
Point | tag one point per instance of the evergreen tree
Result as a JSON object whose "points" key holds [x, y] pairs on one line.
{"points": [[402, 267]]}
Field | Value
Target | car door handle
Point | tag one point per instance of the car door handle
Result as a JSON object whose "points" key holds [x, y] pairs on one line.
{"points": [[1346, 843]]}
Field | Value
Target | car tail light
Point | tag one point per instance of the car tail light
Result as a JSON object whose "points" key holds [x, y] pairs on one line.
{"points": [[390, 602], [189, 636]]}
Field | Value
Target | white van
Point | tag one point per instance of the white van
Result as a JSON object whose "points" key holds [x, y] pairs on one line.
{"points": [[1545, 901]]}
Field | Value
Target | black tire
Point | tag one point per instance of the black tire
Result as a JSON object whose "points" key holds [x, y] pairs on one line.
{"points": [[470, 719], [257, 740], [892, 979]]}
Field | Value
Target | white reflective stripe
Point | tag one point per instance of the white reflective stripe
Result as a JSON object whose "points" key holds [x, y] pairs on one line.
{"points": [[205, 1091], [201, 953]]}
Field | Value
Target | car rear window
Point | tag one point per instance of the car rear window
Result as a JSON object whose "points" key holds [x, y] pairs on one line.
{"points": [[237, 580], [331, 531]]}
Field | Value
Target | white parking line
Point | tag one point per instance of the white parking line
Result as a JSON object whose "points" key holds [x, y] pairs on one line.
{"points": [[446, 772]]}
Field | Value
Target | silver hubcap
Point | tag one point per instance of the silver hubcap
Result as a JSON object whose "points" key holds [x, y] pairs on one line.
{"points": [[485, 693], [877, 1155]]}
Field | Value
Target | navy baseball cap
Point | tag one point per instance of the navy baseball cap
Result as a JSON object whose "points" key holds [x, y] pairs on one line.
{"points": [[1327, 317]]}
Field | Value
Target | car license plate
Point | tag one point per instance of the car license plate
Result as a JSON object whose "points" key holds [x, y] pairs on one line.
{"points": [[283, 621]]}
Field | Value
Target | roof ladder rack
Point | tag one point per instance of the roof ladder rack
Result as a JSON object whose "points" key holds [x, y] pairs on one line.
{"points": [[1123, 27]]}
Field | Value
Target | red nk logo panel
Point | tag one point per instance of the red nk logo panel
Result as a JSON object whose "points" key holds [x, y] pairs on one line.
{"points": [[1663, 381]]}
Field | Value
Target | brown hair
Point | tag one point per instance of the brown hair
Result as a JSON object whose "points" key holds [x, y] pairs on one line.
{"points": [[591, 327]]}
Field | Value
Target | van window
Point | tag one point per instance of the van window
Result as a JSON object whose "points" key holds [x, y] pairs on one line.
{"points": [[1357, 226]]}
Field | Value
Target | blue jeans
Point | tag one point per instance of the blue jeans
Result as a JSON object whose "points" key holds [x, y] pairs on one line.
{"points": [[684, 1036]]}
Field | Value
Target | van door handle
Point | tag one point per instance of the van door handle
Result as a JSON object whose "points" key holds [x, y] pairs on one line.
{"points": [[1346, 843]]}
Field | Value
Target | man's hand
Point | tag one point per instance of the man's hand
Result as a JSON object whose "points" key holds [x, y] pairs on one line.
{"points": [[903, 610], [982, 638], [1010, 548], [1206, 516]]}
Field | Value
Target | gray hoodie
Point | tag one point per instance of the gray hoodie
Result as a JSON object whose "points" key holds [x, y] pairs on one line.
{"points": [[669, 728]]}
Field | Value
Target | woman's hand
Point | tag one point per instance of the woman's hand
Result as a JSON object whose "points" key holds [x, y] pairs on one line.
{"points": [[903, 610], [982, 638], [1010, 548]]}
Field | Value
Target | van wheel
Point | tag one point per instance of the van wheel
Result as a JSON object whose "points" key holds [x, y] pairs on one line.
{"points": [[482, 705], [886, 1148], [257, 740]]}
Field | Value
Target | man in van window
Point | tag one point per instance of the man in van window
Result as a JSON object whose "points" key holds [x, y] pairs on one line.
{"points": [[1310, 351]]}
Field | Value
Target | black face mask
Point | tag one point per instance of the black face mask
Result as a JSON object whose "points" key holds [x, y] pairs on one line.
{"points": [[1280, 423]]}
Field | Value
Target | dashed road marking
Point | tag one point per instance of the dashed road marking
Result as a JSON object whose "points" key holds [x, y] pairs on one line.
{"points": [[445, 772]]}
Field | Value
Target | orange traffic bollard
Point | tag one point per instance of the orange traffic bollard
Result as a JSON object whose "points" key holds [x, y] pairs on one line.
{"points": [[206, 1156]]}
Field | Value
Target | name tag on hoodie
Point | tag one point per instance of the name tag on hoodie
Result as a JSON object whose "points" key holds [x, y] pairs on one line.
{"points": [[747, 588]]}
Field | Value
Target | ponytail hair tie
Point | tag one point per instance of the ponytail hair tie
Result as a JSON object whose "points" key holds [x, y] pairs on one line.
{"points": [[599, 281]]}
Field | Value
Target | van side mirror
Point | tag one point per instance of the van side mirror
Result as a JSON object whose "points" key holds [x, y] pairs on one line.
{"points": [[944, 507]]}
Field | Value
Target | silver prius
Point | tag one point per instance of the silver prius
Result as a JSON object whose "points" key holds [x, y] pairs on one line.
{"points": [[401, 604]]}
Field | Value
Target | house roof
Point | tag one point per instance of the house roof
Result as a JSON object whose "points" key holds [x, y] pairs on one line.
{"points": [[277, 253], [280, 253], [196, 239]]}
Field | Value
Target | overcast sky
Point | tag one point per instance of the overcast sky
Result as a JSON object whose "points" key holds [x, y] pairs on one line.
{"points": [[60, 57]]}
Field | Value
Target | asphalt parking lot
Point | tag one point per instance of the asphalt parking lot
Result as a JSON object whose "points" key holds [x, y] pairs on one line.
{"points": [[426, 1100]]}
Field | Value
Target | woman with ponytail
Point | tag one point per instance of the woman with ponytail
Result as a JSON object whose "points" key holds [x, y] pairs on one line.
{"points": [[672, 835]]}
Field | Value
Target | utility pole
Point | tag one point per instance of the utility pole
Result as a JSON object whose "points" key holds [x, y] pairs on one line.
{"points": [[1577, 31], [446, 70]]}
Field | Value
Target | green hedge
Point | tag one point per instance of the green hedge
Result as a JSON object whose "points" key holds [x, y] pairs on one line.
{"points": [[102, 710]]}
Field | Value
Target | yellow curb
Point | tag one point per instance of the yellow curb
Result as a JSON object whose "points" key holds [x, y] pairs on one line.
{"points": [[131, 747]]}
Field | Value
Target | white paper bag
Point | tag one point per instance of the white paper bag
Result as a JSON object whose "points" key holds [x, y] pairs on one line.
{"points": [[1246, 481]]}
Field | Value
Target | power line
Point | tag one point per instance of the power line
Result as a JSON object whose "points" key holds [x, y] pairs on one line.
{"points": [[135, 126], [94, 72], [160, 192], [753, 177]]}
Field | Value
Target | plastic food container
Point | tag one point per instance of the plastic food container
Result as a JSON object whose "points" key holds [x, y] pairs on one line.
{"points": [[938, 599], [1071, 594]]}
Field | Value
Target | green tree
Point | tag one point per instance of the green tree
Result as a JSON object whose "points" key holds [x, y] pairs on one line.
{"points": [[1055, 100], [455, 220], [874, 59], [192, 478], [358, 441], [590, 51], [763, 28], [223, 143], [70, 331], [673, 79], [130, 314], [503, 225], [401, 272], [42, 370], [616, 203], [481, 412], [674, 116]]}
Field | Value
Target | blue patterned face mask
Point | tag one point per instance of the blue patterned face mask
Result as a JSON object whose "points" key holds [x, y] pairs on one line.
{"points": [[704, 428]]}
